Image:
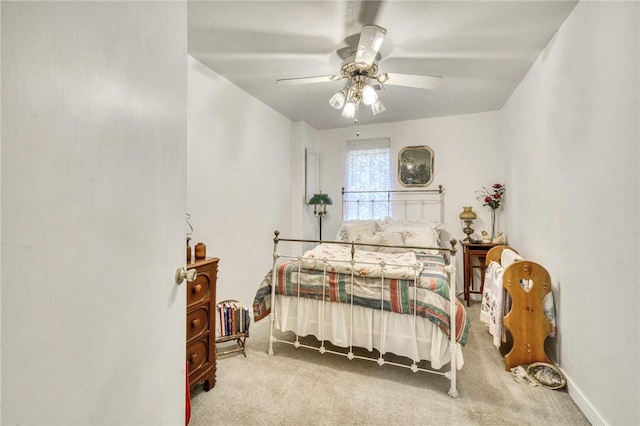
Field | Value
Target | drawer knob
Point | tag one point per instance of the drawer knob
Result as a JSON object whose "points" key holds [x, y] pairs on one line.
{"points": [[197, 288], [195, 323], [193, 358]]}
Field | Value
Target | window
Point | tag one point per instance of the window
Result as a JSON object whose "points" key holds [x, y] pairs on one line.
{"points": [[368, 169]]}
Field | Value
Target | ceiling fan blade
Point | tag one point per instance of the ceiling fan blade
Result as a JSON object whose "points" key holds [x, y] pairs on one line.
{"points": [[308, 80], [411, 80], [371, 39]]}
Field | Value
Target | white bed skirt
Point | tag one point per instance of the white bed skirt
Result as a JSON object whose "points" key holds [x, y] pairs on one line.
{"points": [[432, 344]]}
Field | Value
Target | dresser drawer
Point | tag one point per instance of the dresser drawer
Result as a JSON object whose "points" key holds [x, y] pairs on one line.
{"points": [[199, 289], [197, 356], [197, 323]]}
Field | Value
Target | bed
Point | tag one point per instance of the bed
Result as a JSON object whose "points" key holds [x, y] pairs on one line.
{"points": [[382, 285], [517, 306]]}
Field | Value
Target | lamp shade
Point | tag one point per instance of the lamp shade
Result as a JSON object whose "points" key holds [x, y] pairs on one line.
{"points": [[468, 214], [377, 107], [369, 95], [349, 110], [337, 101], [321, 199]]}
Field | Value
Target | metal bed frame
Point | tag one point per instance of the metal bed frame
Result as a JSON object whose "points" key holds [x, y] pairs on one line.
{"points": [[406, 199], [450, 269]]}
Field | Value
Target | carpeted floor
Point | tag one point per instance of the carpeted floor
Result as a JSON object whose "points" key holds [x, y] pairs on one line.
{"points": [[304, 387]]}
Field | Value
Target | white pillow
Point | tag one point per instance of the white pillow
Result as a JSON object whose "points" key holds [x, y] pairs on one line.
{"points": [[423, 236], [508, 257], [424, 229], [391, 239], [350, 230]]}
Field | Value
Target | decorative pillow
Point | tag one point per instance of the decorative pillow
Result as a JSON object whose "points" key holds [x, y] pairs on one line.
{"points": [[391, 239], [409, 225], [350, 230], [417, 233], [423, 236]]}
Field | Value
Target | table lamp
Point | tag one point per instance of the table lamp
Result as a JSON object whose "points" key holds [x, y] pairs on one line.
{"points": [[467, 217]]}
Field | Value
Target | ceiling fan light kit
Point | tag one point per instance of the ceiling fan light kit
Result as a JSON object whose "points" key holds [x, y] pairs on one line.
{"points": [[358, 69]]}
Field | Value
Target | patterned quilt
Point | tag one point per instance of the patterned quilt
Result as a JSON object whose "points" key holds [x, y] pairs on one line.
{"points": [[430, 297]]}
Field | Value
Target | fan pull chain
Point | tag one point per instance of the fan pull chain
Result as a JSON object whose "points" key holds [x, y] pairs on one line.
{"points": [[355, 120]]}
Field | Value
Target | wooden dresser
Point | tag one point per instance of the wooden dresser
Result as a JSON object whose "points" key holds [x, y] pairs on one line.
{"points": [[201, 323]]}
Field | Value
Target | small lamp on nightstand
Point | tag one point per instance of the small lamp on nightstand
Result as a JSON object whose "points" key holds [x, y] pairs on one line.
{"points": [[320, 202], [467, 217]]}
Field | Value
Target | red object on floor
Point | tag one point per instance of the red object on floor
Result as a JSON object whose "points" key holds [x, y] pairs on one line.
{"points": [[187, 408]]}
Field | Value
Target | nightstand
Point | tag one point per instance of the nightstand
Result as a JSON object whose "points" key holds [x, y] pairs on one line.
{"points": [[474, 258]]}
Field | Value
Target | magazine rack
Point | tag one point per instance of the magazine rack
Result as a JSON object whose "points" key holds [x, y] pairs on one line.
{"points": [[234, 321]]}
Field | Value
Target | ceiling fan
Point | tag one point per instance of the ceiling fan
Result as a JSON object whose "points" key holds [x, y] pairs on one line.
{"points": [[361, 68]]}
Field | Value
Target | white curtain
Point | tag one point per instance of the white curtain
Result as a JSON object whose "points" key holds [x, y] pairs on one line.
{"points": [[368, 168]]}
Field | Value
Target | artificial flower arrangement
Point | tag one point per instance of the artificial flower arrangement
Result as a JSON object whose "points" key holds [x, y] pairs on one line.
{"points": [[494, 197]]}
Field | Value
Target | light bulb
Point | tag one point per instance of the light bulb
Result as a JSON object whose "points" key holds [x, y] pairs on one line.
{"points": [[369, 95], [377, 107], [337, 100], [349, 110]]}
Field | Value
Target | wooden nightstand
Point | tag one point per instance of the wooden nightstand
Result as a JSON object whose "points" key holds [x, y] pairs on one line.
{"points": [[474, 258]]}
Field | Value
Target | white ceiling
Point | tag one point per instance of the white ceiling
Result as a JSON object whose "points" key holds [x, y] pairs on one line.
{"points": [[481, 48]]}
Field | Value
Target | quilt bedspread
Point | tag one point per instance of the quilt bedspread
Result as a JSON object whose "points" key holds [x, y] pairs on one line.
{"points": [[430, 297]]}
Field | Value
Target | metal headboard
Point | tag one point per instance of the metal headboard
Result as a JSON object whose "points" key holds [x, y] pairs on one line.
{"points": [[400, 204]]}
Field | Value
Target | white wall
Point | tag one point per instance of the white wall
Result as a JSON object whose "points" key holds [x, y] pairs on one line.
{"points": [[239, 179], [572, 129], [467, 156]]}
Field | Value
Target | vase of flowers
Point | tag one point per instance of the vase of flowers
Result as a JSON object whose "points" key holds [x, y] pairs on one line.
{"points": [[492, 198]]}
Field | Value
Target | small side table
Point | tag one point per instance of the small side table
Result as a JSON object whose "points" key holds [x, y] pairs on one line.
{"points": [[474, 259]]}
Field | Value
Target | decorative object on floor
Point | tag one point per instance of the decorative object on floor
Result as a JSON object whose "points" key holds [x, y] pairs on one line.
{"points": [[499, 239], [415, 166], [467, 217], [521, 376], [200, 250], [526, 320], [493, 199], [320, 202], [547, 375]]}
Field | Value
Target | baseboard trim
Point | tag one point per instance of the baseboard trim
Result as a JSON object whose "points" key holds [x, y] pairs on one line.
{"points": [[583, 404]]}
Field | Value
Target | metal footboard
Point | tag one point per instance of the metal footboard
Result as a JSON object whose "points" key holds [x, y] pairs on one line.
{"points": [[450, 269]]}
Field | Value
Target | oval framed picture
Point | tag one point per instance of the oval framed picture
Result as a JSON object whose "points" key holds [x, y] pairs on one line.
{"points": [[415, 166]]}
